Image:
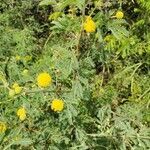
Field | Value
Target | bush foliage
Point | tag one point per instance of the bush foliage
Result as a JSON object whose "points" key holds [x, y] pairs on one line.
{"points": [[65, 85]]}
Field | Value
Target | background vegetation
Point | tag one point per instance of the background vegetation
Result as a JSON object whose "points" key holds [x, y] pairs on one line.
{"points": [[103, 77]]}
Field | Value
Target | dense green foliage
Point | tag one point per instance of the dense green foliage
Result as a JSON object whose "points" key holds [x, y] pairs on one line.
{"points": [[103, 77]]}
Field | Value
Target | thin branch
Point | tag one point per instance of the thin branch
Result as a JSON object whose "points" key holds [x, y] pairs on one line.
{"points": [[132, 136], [42, 90], [47, 40], [148, 90]]}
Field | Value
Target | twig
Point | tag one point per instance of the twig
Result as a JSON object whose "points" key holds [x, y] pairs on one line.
{"points": [[132, 136], [47, 41], [43, 90], [148, 90]]}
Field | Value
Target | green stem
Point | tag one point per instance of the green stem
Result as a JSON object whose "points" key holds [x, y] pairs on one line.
{"points": [[132, 136]]}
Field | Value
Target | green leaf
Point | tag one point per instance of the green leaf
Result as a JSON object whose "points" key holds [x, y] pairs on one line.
{"points": [[23, 142], [118, 29], [47, 2], [55, 15], [77, 89]]}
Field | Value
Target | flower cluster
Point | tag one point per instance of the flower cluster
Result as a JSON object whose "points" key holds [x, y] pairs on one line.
{"points": [[16, 89], [43, 80]]}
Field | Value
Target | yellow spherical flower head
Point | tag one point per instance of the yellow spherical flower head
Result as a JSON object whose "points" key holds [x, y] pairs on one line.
{"points": [[3, 127], [89, 25], [21, 113], [15, 85], [44, 80], [17, 88], [57, 105], [119, 15]]}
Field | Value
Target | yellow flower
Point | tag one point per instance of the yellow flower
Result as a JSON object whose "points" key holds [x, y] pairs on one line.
{"points": [[25, 72], [11, 93], [17, 88], [44, 80], [18, 57], [57, 105], [89, 25], [28, 58], [21, 113], [107, 38], [15, 85], [119, 15], [3, 127]]}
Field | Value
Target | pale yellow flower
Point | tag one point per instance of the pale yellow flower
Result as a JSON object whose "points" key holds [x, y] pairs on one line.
{"points": [[11, 93], [89, 25], [3, 127], [119, 15], [28, 58], [21, 113], [44, 79], [25, 72], [15, 85], [17, 88], [57, 105], [18, 57]]}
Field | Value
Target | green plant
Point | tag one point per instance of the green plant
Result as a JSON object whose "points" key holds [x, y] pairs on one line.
{"points": [[65, 88]]}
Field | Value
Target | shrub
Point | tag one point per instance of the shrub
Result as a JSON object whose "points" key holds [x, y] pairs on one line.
{"points": [[74, 75]]}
